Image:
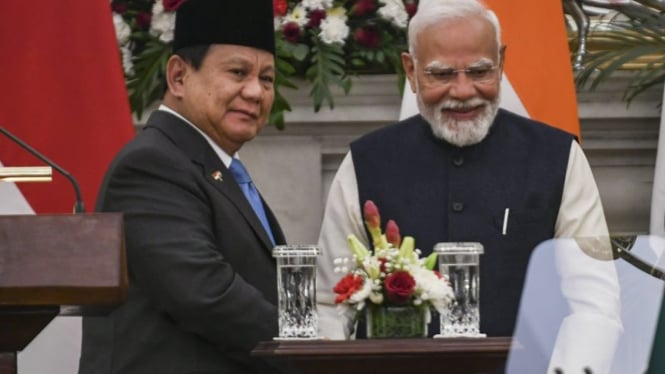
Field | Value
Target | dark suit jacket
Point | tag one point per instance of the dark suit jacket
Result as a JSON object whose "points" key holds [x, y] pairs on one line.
{"points": [[202, 288]]}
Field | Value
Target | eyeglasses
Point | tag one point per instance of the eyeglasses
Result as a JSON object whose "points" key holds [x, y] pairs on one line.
{"points": [[477, 74]]}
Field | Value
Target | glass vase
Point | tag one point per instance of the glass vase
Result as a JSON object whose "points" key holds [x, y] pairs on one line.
{"points": [[396, 321]]}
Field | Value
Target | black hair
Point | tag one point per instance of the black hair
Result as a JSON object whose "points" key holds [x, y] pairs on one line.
{"points": [[194, 54]]}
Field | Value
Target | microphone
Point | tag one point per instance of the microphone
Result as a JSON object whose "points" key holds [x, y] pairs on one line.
{"points": [[78, 206]]}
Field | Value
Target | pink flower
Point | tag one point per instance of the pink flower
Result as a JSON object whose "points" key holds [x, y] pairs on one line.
{"points": [[392, 234], [347, 286], [373, 223], [172, 5], [400, 286], [291, 32], [372, 217]]}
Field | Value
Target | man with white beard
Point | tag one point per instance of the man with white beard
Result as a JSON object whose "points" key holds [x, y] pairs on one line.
{"points": [[461, 170]]}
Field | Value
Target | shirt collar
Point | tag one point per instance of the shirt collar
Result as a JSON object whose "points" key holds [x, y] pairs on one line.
{"points": [[225, 157]]}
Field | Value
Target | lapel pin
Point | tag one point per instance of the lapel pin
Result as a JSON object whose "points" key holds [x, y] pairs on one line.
{"points": [[217, 175]]}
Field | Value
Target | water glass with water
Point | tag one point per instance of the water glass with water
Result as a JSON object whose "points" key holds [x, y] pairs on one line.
{"points": [[459, 262], [296, 291]]}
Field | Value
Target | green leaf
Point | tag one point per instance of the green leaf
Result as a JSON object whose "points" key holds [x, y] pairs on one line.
{"points": [[147, 84], [327, 69], [627, 43], [300, 52]]}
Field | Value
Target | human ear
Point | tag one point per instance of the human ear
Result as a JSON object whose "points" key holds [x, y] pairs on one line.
{"points": [[409, 66], [502, 56], [176, 73]]}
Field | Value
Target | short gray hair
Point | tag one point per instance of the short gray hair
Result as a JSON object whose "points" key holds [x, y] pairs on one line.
{"points": [[431, 12]]}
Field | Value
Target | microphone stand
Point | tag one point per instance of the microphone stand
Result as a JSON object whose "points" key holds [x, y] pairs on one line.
{"points": [[78, 206], [621, 246]]}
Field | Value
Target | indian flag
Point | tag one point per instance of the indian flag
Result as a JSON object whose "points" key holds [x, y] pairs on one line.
{"points": [[538, 77], [64, 95]]}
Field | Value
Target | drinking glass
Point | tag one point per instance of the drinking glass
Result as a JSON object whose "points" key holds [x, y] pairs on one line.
{"points": [[296, 291], [459, 262]]}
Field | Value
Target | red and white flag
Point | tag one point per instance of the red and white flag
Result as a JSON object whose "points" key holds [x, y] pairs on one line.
{"points": [[538, 77], [63, 94]]}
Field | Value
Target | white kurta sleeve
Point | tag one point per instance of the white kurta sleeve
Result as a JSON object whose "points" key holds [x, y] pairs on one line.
{"points": [[588, 336], [342, 218], [581, 211]]}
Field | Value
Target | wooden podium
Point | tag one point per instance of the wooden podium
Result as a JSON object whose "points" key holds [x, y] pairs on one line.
{"points": [[387, 356], [56, 265]]}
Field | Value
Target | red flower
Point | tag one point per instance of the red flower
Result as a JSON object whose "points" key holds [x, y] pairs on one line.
{"points": [[291, 32], [172, 5], [315, 17], [119, 8], [382, 264], [143, 20], [440, 276], [279, 7], [347, 286], [392, 234], [411, 8], [367, 37], [399, 286], [363, 7]]}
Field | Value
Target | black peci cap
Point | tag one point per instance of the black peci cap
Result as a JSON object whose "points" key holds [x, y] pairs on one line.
{"points": [[240, 22]]}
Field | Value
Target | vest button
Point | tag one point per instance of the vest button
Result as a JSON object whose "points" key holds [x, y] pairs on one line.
{"points": [[458, 161], [458, 207]]}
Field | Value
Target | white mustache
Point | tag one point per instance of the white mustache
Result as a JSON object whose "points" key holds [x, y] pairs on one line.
{"points": [[464, 105]]}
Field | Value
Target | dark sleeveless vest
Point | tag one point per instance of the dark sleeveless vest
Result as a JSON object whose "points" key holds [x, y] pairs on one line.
{"points": [[437, 192]]}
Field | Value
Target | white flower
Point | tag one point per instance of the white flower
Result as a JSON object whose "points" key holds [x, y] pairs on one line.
{"points": [[162, 23], [317, 4], [127, 64], [361, 294], [372, 267], [333, 30], [376, 297], [394, 11], [432, 288], [122, 30], [298, 16], [337, 12]]}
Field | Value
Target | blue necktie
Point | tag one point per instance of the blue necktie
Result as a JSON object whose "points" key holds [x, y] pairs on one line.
{"points": [[245, 182]]}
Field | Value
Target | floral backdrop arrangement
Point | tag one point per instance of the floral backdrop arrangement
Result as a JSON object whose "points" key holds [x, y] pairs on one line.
{"points": [[321, 42], [392, 275]]}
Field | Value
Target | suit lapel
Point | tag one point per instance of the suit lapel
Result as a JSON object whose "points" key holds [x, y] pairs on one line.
{"points": [[229, 188], [213, 169]]}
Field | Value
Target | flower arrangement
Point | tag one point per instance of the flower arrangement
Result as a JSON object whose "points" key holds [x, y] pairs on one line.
{"points": [[321, 42], [393, 274]]}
